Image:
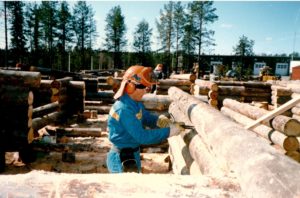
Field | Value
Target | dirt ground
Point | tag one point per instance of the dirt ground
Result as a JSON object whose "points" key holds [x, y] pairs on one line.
{"points": [[86, 161]]}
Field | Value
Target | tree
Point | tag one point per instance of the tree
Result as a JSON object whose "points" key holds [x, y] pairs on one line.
{"points": [[142, 41], [115, 34], [179, 21], [33, 32], [203, 14], [49, 21], [65, 33], [18, 40], [166, 33], [84, 28], [244, 47]]}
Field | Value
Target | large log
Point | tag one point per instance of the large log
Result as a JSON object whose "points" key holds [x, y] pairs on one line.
{"points": [[156, 102], [179, 166], [20, 78], [264, 131], [281, 123], [100, 109], [198, 148], [190, 77], [253, 161], [15, 95], [209, 84]]}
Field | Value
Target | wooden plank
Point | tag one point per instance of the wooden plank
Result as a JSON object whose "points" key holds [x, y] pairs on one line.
{"points": [[275, 112]]}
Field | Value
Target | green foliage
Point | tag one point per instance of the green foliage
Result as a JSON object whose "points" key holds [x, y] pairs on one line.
{"points": [[244, 47], [115, 34]]}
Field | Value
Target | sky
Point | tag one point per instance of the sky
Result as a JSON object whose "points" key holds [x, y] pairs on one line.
{"points": [[274, 26]]}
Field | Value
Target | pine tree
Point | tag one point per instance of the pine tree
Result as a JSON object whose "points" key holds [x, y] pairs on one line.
{"points": [[115, 34]]}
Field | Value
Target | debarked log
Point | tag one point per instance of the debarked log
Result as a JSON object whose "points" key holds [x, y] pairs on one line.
{"points": [[228, 139], [190, 77], [209, 84], [156, 102], [266, 132], [284, 124]]}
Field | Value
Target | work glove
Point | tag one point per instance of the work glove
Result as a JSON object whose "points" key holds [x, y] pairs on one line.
{"points": [[163, 121], [176, 128]]}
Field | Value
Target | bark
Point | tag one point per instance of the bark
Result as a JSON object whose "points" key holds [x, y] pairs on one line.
{"points": [[20, 78], [99, 109], [79, 132], [45, 109], [174, 82]]}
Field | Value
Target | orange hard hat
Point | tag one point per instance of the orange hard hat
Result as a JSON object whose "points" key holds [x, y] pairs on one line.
{"points": [[137, 75]]}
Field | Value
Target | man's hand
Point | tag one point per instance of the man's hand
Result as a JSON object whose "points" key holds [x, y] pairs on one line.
{"points": [[163, 121], [176, 128]]}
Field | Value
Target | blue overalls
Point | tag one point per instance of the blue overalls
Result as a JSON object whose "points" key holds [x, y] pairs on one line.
{"points": [[125, 124]]}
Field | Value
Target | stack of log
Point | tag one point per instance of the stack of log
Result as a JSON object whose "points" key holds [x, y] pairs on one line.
{"points": [[16, 104], [237, 150], [280, 95], [206, 88], [217, 91], [282, 131], [164, 84]]}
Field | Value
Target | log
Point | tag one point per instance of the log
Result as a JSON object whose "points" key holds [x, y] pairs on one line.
{"points": [[266, 132], [179, 166], [296, 110], [213, 95], [45, 109], [291, 144], [20, 78], [79, 132], [156, 102], [61, 147], [230, 141], [199, 90], [281, 91], [52, 118], [275, 112], [209, 84], [252, 84], [190, 77], [198, 149], [174, 82], [15, 95], [99, 109], [166, 87], [284, 124], [294, 155]]}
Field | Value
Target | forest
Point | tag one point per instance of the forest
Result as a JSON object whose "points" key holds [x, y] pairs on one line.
{"points": [[52, 35]]}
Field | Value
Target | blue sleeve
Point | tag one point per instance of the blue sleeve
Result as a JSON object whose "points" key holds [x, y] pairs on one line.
{"points": [[149, 119], [135, 128]]}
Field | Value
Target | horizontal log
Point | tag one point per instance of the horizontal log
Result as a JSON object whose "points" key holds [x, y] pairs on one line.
{"points": [[246, 84], [79, 132], [261, 160], [190, 77], [200, 90], [156, 102], [15, 95], [209, 84], [45, 109], [52, 118], [296, 110], [264, 131], [174, 82], [100, 109], [20, 78]]}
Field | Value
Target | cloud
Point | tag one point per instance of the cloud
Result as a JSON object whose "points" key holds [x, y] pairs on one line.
{"points": [[227, 26], [268, 39]]}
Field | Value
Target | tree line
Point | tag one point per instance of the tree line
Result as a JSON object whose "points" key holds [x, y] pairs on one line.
{"points": [[50, 34]]}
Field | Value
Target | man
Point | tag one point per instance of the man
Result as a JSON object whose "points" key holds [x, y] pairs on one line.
{"points": [[127, 119], [159, 74]]}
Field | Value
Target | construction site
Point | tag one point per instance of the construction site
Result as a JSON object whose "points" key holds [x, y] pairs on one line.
{"points": [[244, 139]]}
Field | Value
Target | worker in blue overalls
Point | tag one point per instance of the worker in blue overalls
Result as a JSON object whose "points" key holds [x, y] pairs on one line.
{"points": [[127, 119]]}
